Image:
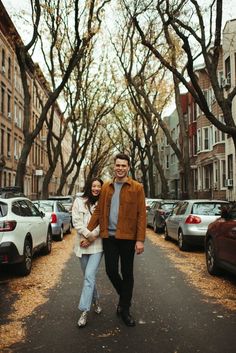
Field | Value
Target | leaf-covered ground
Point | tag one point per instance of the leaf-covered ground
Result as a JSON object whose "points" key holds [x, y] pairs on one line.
{"points": [[26, 293]]}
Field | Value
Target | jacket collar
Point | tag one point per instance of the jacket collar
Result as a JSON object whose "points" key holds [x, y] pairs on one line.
{"points": [[128, 181]]}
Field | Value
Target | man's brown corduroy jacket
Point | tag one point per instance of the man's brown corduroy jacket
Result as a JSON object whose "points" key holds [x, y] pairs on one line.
{"points": [[131, 223]]}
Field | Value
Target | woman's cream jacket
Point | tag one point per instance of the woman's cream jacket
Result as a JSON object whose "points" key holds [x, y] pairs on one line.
{"points": [[80, 218]]}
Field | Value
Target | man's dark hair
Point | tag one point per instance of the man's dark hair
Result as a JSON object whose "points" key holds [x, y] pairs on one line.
{"points": [[122, 156]]}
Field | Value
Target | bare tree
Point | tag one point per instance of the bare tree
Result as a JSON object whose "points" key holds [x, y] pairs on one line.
{"points": [[148, 90], [83, 21], [200, 34]]}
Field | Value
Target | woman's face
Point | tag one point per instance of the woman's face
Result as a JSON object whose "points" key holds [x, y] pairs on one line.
{"points": [[96, 188]]}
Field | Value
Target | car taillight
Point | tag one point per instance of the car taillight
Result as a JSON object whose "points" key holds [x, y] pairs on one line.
{"points": [[193, 220], [7, 226], [53, 218]]}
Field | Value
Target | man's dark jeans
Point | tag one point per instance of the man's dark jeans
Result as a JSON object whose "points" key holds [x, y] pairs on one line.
{"points": [[123, 250]]}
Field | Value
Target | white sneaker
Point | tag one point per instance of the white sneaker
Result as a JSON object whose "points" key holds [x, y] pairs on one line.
{"points": [[83, 319], [97, 307]]}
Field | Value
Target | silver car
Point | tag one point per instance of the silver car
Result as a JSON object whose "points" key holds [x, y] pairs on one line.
{"points": [[188, 221], [58, 215], [67, 202]]}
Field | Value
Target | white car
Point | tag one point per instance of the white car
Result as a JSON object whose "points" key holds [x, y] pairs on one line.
{"points": [[23, 231]]}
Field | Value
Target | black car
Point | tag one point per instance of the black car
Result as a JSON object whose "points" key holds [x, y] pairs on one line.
{"points": [[158, 213]]}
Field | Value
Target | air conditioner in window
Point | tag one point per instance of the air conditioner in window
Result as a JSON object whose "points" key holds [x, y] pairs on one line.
{"points": [[226, 82], [9, 115], [229, 182]]}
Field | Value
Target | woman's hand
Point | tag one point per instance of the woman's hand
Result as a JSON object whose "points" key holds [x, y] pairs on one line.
{"points": [[84, 243]]}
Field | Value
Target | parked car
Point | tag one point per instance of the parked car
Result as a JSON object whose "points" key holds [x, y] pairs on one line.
{"points": [[149, 202], [23, 230], [58, 216], [220, 244], [158, 212], [67, 202], [188, 221]]}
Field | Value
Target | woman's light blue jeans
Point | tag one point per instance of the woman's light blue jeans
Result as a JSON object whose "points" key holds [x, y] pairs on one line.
{"points": [[89, 265]]}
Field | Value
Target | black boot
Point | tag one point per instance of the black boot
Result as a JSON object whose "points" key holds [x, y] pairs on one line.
{"points": [[127, 318]]}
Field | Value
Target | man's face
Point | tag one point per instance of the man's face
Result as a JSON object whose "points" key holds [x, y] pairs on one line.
{"points": [[121, 168]]}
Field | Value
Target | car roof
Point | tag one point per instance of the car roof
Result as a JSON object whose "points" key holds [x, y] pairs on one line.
{"points": [[57, 197], [8, 192], [14, 198], [204, 200]]}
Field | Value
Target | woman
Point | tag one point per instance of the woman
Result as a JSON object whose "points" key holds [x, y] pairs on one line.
{"points": [[88, 247]]}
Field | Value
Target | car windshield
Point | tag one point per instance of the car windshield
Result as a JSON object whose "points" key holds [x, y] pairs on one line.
{"points": [[207, 208], [46, 206], [3, 209], [68, 200], [167, 206]]}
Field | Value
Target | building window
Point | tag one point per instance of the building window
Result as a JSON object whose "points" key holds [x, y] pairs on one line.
{"points": [[207, 138], [9, 144], [230, 166], [2, 99], [16, 149], [228, 70], [207, 176], [3, 61], [199, 140], [9, 106], [9, 69]]}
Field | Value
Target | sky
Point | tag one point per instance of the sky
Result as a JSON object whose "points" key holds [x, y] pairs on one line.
{"points": [[14, 7]]}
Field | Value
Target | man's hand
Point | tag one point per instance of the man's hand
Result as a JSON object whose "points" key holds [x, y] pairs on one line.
{"points": [[139, 247]]}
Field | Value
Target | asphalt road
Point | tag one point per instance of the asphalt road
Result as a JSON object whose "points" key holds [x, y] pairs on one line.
{"points": [[171, 316]]}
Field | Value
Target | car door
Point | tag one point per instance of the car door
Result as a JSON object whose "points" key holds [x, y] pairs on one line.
{"points": [[226, 240], [36, 224], [175, 218], [64, 216], [151, 213]]}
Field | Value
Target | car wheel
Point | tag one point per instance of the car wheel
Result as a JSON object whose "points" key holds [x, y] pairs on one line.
{"points": [[61, 234], [181, 241], [48, 248], [166, 235], [24, 268], [211, 261]]}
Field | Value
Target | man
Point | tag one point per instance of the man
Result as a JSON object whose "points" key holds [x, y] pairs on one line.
{"points": [[121, 214]]}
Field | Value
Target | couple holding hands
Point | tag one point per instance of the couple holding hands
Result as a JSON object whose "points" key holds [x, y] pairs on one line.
{"points": [[110, 218]]}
